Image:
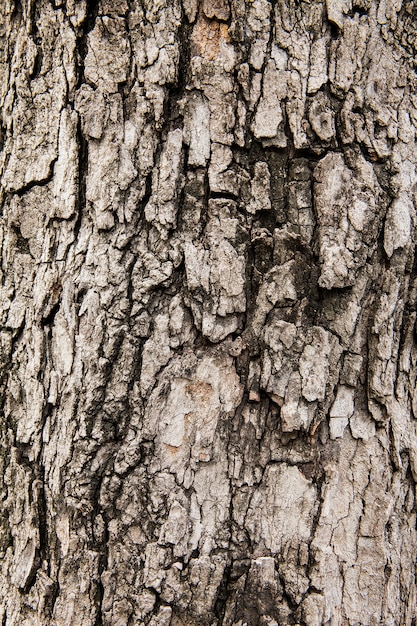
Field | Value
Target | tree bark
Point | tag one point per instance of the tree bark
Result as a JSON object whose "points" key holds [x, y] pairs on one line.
{"points": [[208, 294]]}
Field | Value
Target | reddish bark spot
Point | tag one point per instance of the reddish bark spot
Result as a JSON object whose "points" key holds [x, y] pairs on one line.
{"points": [[199, 390], [206, 37]]}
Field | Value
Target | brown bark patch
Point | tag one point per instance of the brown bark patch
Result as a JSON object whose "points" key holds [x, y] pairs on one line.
{"points": [[206, 38], [198, 390]]}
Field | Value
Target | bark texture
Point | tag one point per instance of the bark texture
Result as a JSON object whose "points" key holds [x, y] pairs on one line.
{"points": [[208, 295]]}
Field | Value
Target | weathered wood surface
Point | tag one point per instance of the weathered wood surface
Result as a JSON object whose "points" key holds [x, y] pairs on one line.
{"points": [[208, 296]]}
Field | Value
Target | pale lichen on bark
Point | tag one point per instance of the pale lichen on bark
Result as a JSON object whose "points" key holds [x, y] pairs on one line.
{"points": [[208, 301]]}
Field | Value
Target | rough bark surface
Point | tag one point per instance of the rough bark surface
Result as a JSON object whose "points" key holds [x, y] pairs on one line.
{"points": [[208, 296]]}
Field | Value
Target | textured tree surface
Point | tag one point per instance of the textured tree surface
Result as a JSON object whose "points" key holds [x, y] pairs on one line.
{"points": [[208, 295]]}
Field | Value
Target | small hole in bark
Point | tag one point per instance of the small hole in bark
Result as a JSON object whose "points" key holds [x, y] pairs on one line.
{"points": [[22, 244], [334, 30], [17, 9], [360, 11], [37, 66]]}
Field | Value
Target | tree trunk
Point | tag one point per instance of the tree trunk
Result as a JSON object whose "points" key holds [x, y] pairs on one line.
{"points": [[208, 294]]}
